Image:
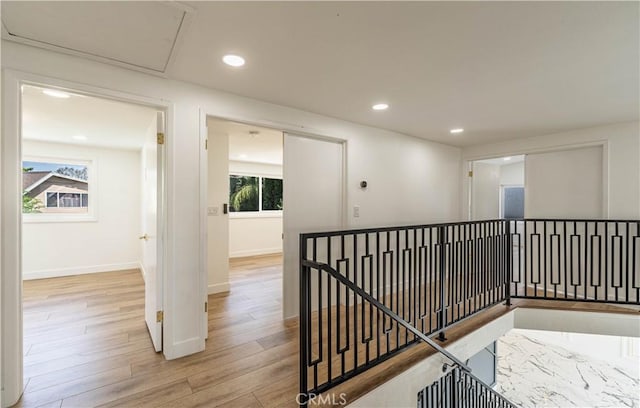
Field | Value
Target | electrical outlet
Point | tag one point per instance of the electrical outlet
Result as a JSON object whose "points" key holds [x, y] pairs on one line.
{"points": [[213, 211], [356, 211]]}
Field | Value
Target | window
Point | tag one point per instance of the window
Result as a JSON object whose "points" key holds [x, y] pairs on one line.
{"points": [[254, 194], [513, 202], [55, 189], [70, 200], [271, 194]]}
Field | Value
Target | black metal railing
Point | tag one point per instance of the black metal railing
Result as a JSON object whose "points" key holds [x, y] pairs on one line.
{"points": [[366, 295], [430, 277], [459, 388], [576, 260]]}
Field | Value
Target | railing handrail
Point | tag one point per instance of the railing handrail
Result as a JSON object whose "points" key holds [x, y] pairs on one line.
{"points": [[326, 234], [360, 292]]}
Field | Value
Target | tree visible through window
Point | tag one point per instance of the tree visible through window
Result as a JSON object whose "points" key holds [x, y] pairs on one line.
{"points": [[254, 193], [244, 195], [271, 194]]}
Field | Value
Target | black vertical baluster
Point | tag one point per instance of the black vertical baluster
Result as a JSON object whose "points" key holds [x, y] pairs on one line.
{"points": [[329, 314], [525, 263], [304, 319], [355, 301], [378, 328], [339, 307], [442, 317], [397, 286], [628, 260], [320, 341], [544, 257], [566, 258], [606, 264], [509, 260]]}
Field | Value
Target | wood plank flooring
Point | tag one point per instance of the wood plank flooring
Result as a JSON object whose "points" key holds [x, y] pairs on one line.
{"points": [[86, 345]]}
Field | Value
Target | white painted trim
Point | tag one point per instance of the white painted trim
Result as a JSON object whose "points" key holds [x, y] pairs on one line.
{"points": [[82, 270], [11, 359], [571, 321], [255, 252], [203, 191], [218, 288]]}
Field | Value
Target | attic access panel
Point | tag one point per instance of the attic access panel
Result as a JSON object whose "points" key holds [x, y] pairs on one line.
{"points": [[137, 34]]}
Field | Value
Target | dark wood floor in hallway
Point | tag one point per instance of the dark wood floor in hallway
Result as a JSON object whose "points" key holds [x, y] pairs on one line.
{"points": [[86, 345]]}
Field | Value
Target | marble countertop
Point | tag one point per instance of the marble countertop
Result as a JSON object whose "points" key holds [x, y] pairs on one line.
{"points": [[538, 369]]}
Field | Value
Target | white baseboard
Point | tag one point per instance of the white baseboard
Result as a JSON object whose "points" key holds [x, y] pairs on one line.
{"points": [[218, 288], [254, 252], [82, 270]]}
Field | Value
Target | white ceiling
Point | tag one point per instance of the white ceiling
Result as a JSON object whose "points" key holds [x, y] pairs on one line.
{"points": [[103, 122], [501, 70], [110, 30], [245, 144]]}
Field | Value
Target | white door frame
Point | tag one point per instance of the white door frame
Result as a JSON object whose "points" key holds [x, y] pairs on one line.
{"points": [[11, 366], [204, 167], [467, 163]]}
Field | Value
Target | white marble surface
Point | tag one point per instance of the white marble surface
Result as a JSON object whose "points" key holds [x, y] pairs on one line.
{"points": [[549, 369]]}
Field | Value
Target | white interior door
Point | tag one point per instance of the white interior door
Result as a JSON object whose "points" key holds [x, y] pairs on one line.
{"points": [[485, 191], [313, 174], [152, 183], [564, 184]]}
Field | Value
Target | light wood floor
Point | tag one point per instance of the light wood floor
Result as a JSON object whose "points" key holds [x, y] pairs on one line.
{"points": [[86, 345]]}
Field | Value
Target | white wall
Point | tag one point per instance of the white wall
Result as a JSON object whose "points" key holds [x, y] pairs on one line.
{"points": [[110, 243], [218, 222], [255, 234], [622, 167], [564, 184], [411, 180], [512, 174]]}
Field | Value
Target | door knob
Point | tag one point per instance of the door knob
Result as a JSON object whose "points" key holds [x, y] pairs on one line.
{"points": [[145, 237]]}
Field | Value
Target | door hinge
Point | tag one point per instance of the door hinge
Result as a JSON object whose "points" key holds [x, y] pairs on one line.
{"points": [[206, 144], [159, 316], [206, 307], [160, 138], [471, 174]]}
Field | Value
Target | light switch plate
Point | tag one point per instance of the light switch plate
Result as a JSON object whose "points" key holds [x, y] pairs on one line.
{"points": [[213, 211]]}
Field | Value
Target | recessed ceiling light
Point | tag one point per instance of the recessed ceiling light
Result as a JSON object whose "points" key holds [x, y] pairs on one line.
{"points": [[233, 60], [380, 106], [507, 158], [243, 156], [55, 93], [458, 130], [79, 137]]}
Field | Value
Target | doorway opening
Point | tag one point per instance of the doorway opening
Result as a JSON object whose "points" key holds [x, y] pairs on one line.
{"points": [[92, 188], [497, 188], [245, 213]]}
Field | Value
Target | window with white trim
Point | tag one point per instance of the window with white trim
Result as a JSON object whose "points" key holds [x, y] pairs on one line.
{"points": [[56, 189]]}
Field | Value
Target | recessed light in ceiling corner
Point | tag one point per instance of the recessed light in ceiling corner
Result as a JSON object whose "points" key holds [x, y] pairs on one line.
{"points": [[380, 106], [243, 156], [507, 158], [233, 60], [79, 137], [456, 130], [55, 93]]}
